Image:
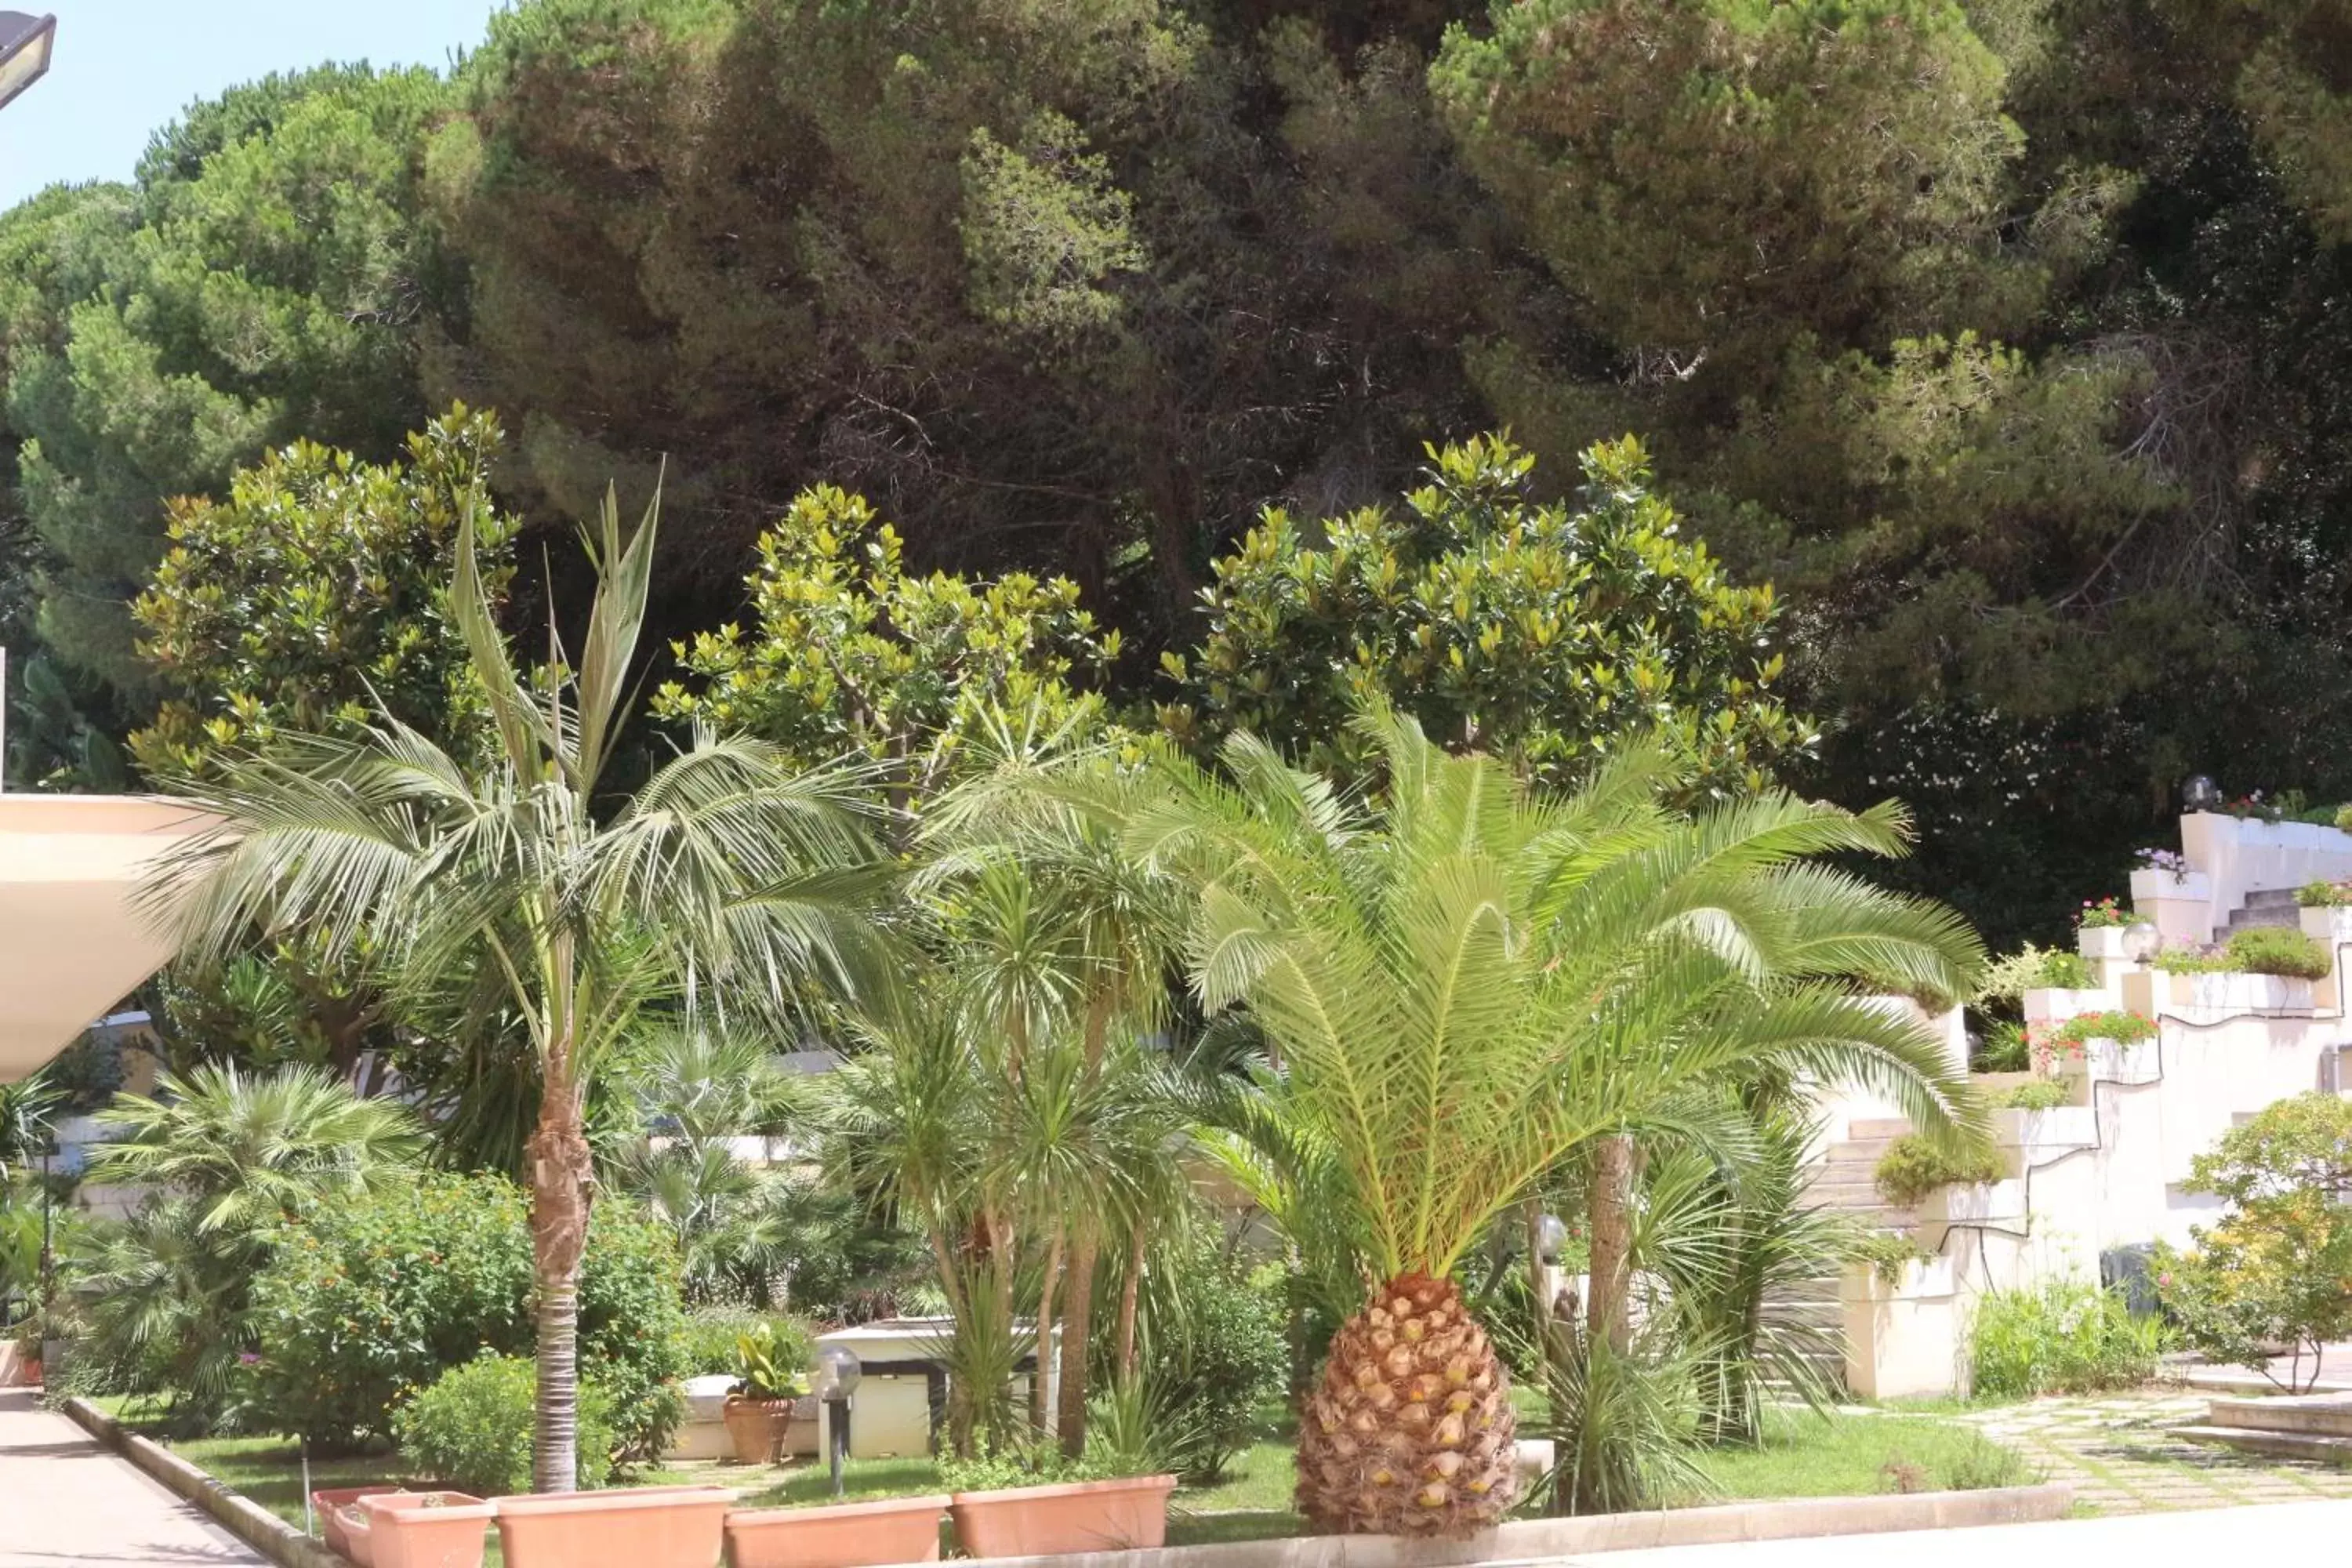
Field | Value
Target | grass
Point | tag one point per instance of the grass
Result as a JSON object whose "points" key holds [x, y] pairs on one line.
{"points": [[1853, 1455]]}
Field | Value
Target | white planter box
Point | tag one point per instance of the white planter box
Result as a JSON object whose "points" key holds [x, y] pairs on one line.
{"points": [[2150, 886], [2210, 995], [1902, 1338], [2117, 944], [1983, 1203], [2111, 1061], [2329, 925], [2053, 1005]]}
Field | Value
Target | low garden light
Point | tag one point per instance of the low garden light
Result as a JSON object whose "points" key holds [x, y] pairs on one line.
{"points": [[2201, 794], [1551, 1236], [837, 1375], [27, 44]]}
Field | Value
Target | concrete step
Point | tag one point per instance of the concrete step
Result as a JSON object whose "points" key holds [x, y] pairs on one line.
{"points": [[1865, 1129], [1857, 1151], [2315, 1415], [2237, 1380], [2273, 1445], [2270, 899], [2247, 918]]}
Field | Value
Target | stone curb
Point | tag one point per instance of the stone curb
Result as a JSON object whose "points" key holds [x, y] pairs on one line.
{"points": [[239, 1515], [1549, 1540]]}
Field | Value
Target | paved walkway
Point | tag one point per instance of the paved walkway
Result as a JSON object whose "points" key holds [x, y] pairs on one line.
{"points": [[2296, 1533], [65, 1499], [2120, 1453]]}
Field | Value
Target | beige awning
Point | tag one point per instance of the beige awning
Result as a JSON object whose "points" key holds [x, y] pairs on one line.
{"points": [[71, 944]]}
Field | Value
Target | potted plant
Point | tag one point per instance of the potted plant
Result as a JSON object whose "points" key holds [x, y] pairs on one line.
{"points": [[634, 1527], [760, 1405], [2106, 932], [2114, 1044], [420, 1530], [843, 1535], [1001, 1510], [330, 1506], [2264, 969]]}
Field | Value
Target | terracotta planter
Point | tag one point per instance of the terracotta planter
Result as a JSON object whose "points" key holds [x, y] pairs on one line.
{"points": [[1078, 1516], [846, 1535], [424, 1530], [649, 1527], [753, 1425], [357, 1528], [327, 1506]]}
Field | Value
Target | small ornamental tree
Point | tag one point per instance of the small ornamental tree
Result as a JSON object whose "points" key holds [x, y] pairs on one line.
{"points": [[2277, 1270], [1546, 632], [850, 652], [316, 592]]}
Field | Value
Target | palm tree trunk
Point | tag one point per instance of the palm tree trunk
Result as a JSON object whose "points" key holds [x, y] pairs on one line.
{"points": [[1077, 1325], [1130, 1290], [559, 1163], [1607, 1318], [1045, 1333]]}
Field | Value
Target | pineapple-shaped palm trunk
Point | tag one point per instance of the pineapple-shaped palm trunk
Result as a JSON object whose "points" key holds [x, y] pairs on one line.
{"points": [[1410, 1431]]}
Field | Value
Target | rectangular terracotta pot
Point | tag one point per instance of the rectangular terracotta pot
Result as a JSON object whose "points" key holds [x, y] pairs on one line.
{"points": [[845, 1535], [358, 1534], [327, 1506], [1074, 1516], [426, 1529], [645, 1527]]}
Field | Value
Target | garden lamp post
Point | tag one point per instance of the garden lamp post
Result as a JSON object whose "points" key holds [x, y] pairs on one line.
{"points": [[25, 45], [2199, 795], [837, 1372]]}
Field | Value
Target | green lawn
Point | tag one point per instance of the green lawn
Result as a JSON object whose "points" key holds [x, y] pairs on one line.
{"points": [[1849, 1456]]}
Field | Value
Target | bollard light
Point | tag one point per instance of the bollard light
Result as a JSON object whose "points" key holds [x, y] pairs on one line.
{"points": [[26, 43], [1551, 1236], [2200, 794]]}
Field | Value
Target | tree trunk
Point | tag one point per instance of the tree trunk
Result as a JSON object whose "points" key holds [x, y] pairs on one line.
{"points": [[1077, 1328], [1044, 1334], [559, 1163], [1607, 1316], [1130, 1290]]}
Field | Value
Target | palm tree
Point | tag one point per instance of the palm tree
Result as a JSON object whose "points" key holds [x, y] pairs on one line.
{"points": [[1466, 983], [728, 875]]}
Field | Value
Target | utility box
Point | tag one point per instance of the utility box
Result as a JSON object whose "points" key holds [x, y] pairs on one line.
{"points": [[899, 1405]]}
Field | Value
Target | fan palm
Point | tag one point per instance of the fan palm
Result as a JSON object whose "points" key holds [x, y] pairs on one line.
{"points": [[1467, 982], [727, 872]]}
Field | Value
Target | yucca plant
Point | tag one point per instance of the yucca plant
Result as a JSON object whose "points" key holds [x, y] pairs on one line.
{"points": [[564, 908], [1462, 982]]}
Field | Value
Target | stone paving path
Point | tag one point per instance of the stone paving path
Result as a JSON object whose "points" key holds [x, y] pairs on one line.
{"points": [[2119, 1451], [65, 1499]]}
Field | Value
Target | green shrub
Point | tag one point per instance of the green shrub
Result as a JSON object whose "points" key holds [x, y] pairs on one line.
{"points": [[2344, 817], [2064, 1338], [1913, 1167], [368, 1297], [2002, 1047], [711, 1334], [2277, 949], [2324, 895], [2192, 961], [2044, 1094], [1037, 1466], [1211, 1349], [2124, 1028], [2033, 969], [1889, 1253], [471, 1428]]}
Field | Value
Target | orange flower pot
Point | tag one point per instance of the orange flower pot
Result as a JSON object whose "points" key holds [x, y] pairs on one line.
{"points": [[843, 1535], [359, 1534], [645, 1527], [327, 1506], [424, 1530], [753, 1425], [1075, 1516]]}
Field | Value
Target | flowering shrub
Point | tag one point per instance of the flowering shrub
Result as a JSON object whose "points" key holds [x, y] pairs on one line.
{"points": [[2105, 914], [2172, 865], [2263, 950], [2277, 1269], [2057, 1042]]}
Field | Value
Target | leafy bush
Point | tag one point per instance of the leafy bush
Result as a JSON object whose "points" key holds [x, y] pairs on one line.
{"points": [[2002, 1047], [2324, 895], [2033, 969], [2344, 817], [2105, 914], [2064, 1338], [471, 1428], [1889, 1253], [1211, 1349], [2277, 1269], [2043, 1095], [2124, 1028], [712, 1335], [1913, 1167], [368, 1296], [1036, 1466], [2277, 949]]}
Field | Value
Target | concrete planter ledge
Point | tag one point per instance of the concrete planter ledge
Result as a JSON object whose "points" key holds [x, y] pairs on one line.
{"points": [[1547, 1540], [239, 1515]]}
